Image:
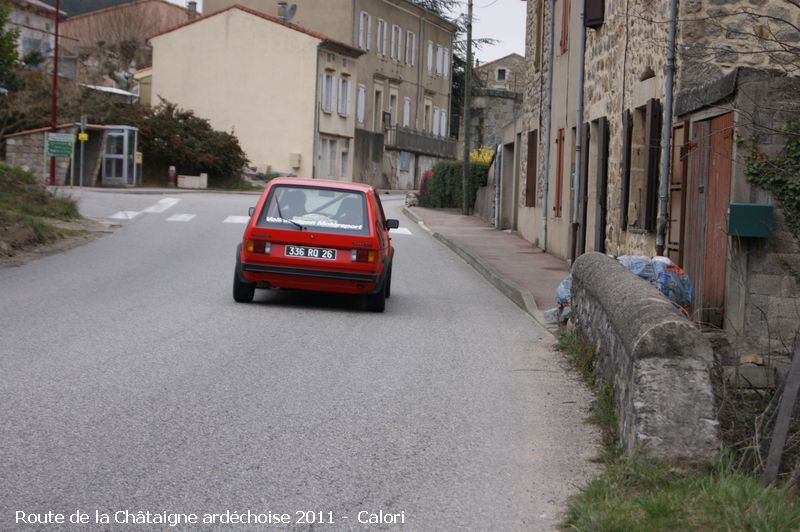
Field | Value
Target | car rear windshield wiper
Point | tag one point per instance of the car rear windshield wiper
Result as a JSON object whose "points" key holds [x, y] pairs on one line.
{"points": [[280, 214], [299, 226]]}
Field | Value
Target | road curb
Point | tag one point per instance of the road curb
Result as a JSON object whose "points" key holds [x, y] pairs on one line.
{"points": [[520, 296]]}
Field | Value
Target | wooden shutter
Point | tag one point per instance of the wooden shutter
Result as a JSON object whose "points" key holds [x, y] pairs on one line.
{"points": [[652, 162], [602, 185], [533, 162], [594, 13], [625, 188], [583, 189], [564, 26], [559, 172]]}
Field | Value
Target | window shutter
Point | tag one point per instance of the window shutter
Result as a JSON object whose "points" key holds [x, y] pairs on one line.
{"points": [[653, 143], [627, 136], [594, 13], [430, 56], [602, 186], [406, 112], [565, 26], [533, 163], [369, 31], [443, 127], [361, 103], [559, 172], [583, 189], [446, 62]]}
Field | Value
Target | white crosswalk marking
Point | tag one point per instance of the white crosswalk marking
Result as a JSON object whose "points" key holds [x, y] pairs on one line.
{"points": [[400, 231], [124, 215], [236, 220], [181, 217], [162, 205]]}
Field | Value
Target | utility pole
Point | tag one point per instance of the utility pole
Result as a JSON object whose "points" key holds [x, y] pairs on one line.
{"points": [[466, 110], [54, 96]]}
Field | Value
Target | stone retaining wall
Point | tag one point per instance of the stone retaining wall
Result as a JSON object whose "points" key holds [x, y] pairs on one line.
{"points": [[657, 361]]}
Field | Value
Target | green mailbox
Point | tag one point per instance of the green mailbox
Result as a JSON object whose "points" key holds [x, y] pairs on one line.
{"points": [[750, 220]]}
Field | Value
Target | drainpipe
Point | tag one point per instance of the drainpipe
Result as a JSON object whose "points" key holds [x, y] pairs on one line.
{"points": [[666, 132], [317, 105], [498, 172], [578, 133], [550, 44]]}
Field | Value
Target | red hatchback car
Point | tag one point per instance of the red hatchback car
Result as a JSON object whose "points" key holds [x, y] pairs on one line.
{"points": [[317, 235]]}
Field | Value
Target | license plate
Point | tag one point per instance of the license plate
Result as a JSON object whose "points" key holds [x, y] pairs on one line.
{"points": [[310, 253]]}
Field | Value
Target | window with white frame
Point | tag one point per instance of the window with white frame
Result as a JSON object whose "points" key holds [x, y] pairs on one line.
{"points": [[364, 30], [361, 104], [344, 96], [380, 45], [446, 62], [443, 125], [439, 60], [436, 121], [397, 35], [406, 111], [430, 56], [411, 47], [328, 89]]}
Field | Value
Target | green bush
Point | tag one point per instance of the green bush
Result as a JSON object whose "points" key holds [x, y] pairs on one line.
{"points": [[170, 136], [443, 188]]}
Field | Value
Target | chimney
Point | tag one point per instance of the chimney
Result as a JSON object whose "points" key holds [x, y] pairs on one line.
{"points": [[282, 11], [191, 10]]}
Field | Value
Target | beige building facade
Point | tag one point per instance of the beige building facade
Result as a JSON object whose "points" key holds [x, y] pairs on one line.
{"points": [[404, 78], [286, 92], [733, 88]]}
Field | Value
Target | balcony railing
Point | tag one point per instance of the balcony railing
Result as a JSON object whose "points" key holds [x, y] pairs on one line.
{"points": [[406, 139]]}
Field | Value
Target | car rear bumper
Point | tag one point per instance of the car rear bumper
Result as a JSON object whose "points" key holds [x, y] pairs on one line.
{"points": [[309, 272]]}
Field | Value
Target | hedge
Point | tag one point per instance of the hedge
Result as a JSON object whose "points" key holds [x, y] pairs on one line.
{"points": [[442, 187]]}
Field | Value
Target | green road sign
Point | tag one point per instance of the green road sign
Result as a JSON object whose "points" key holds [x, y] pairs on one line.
{"points": [[60, 144]]}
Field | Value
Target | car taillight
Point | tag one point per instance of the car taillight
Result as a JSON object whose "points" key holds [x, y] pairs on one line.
{"points": [[362, 255], [258, 246]]}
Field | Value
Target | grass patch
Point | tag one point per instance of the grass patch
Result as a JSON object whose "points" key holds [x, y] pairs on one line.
{"points": [[28, 211], [637, 494]]}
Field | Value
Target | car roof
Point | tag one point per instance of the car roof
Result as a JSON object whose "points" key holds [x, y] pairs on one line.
{"points": [[321, 183]]}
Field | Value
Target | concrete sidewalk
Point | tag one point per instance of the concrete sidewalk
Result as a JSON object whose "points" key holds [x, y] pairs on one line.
{"points": [[523, 272]]}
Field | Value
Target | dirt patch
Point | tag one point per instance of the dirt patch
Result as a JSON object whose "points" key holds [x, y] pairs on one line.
{"points": [[19, 243]]}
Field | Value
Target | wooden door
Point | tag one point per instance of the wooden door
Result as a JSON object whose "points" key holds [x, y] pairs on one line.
{"points": [[583, 191], [718, 199], [695, 196]]}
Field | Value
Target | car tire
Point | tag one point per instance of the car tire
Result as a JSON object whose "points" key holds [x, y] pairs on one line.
{"points": [[242, 292], [389, 283], [377, 302]]}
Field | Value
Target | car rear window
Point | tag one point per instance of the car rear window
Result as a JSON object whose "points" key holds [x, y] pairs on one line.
{"points": [[325, 210]]}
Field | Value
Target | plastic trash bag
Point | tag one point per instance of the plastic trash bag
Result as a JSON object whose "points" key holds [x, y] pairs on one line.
{"points": [[662, 273]]}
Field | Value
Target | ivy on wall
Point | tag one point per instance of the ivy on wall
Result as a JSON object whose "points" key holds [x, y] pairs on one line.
{"points": [[780, 175]]}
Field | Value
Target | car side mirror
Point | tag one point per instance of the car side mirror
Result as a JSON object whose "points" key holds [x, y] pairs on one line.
{"points": [[392, 224], [250, 211]]}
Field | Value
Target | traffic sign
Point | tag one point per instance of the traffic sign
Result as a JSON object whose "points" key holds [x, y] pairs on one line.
{"points": [[60, 144]]}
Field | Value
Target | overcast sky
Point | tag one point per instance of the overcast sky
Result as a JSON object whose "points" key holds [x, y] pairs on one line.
{"points": [[503, 20]]}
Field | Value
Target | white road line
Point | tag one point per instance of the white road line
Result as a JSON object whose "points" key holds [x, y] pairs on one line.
{"points": [[181, 217], [236, 220], [401, 231], [162, 205], [125, 215]]}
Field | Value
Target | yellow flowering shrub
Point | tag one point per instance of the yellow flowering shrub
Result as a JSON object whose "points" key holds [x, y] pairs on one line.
{"points": [[483, 154]]}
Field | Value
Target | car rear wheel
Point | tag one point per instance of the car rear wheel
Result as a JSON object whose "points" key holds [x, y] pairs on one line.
{"points": [[377, 302], [389, 284], [242, 292]]}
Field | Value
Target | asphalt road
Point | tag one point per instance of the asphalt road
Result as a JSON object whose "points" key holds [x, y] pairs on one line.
{"points": [[131, 381]]}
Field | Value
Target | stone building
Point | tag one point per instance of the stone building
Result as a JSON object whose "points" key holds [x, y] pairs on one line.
{"points": [[496, 100], [598, 183]]}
